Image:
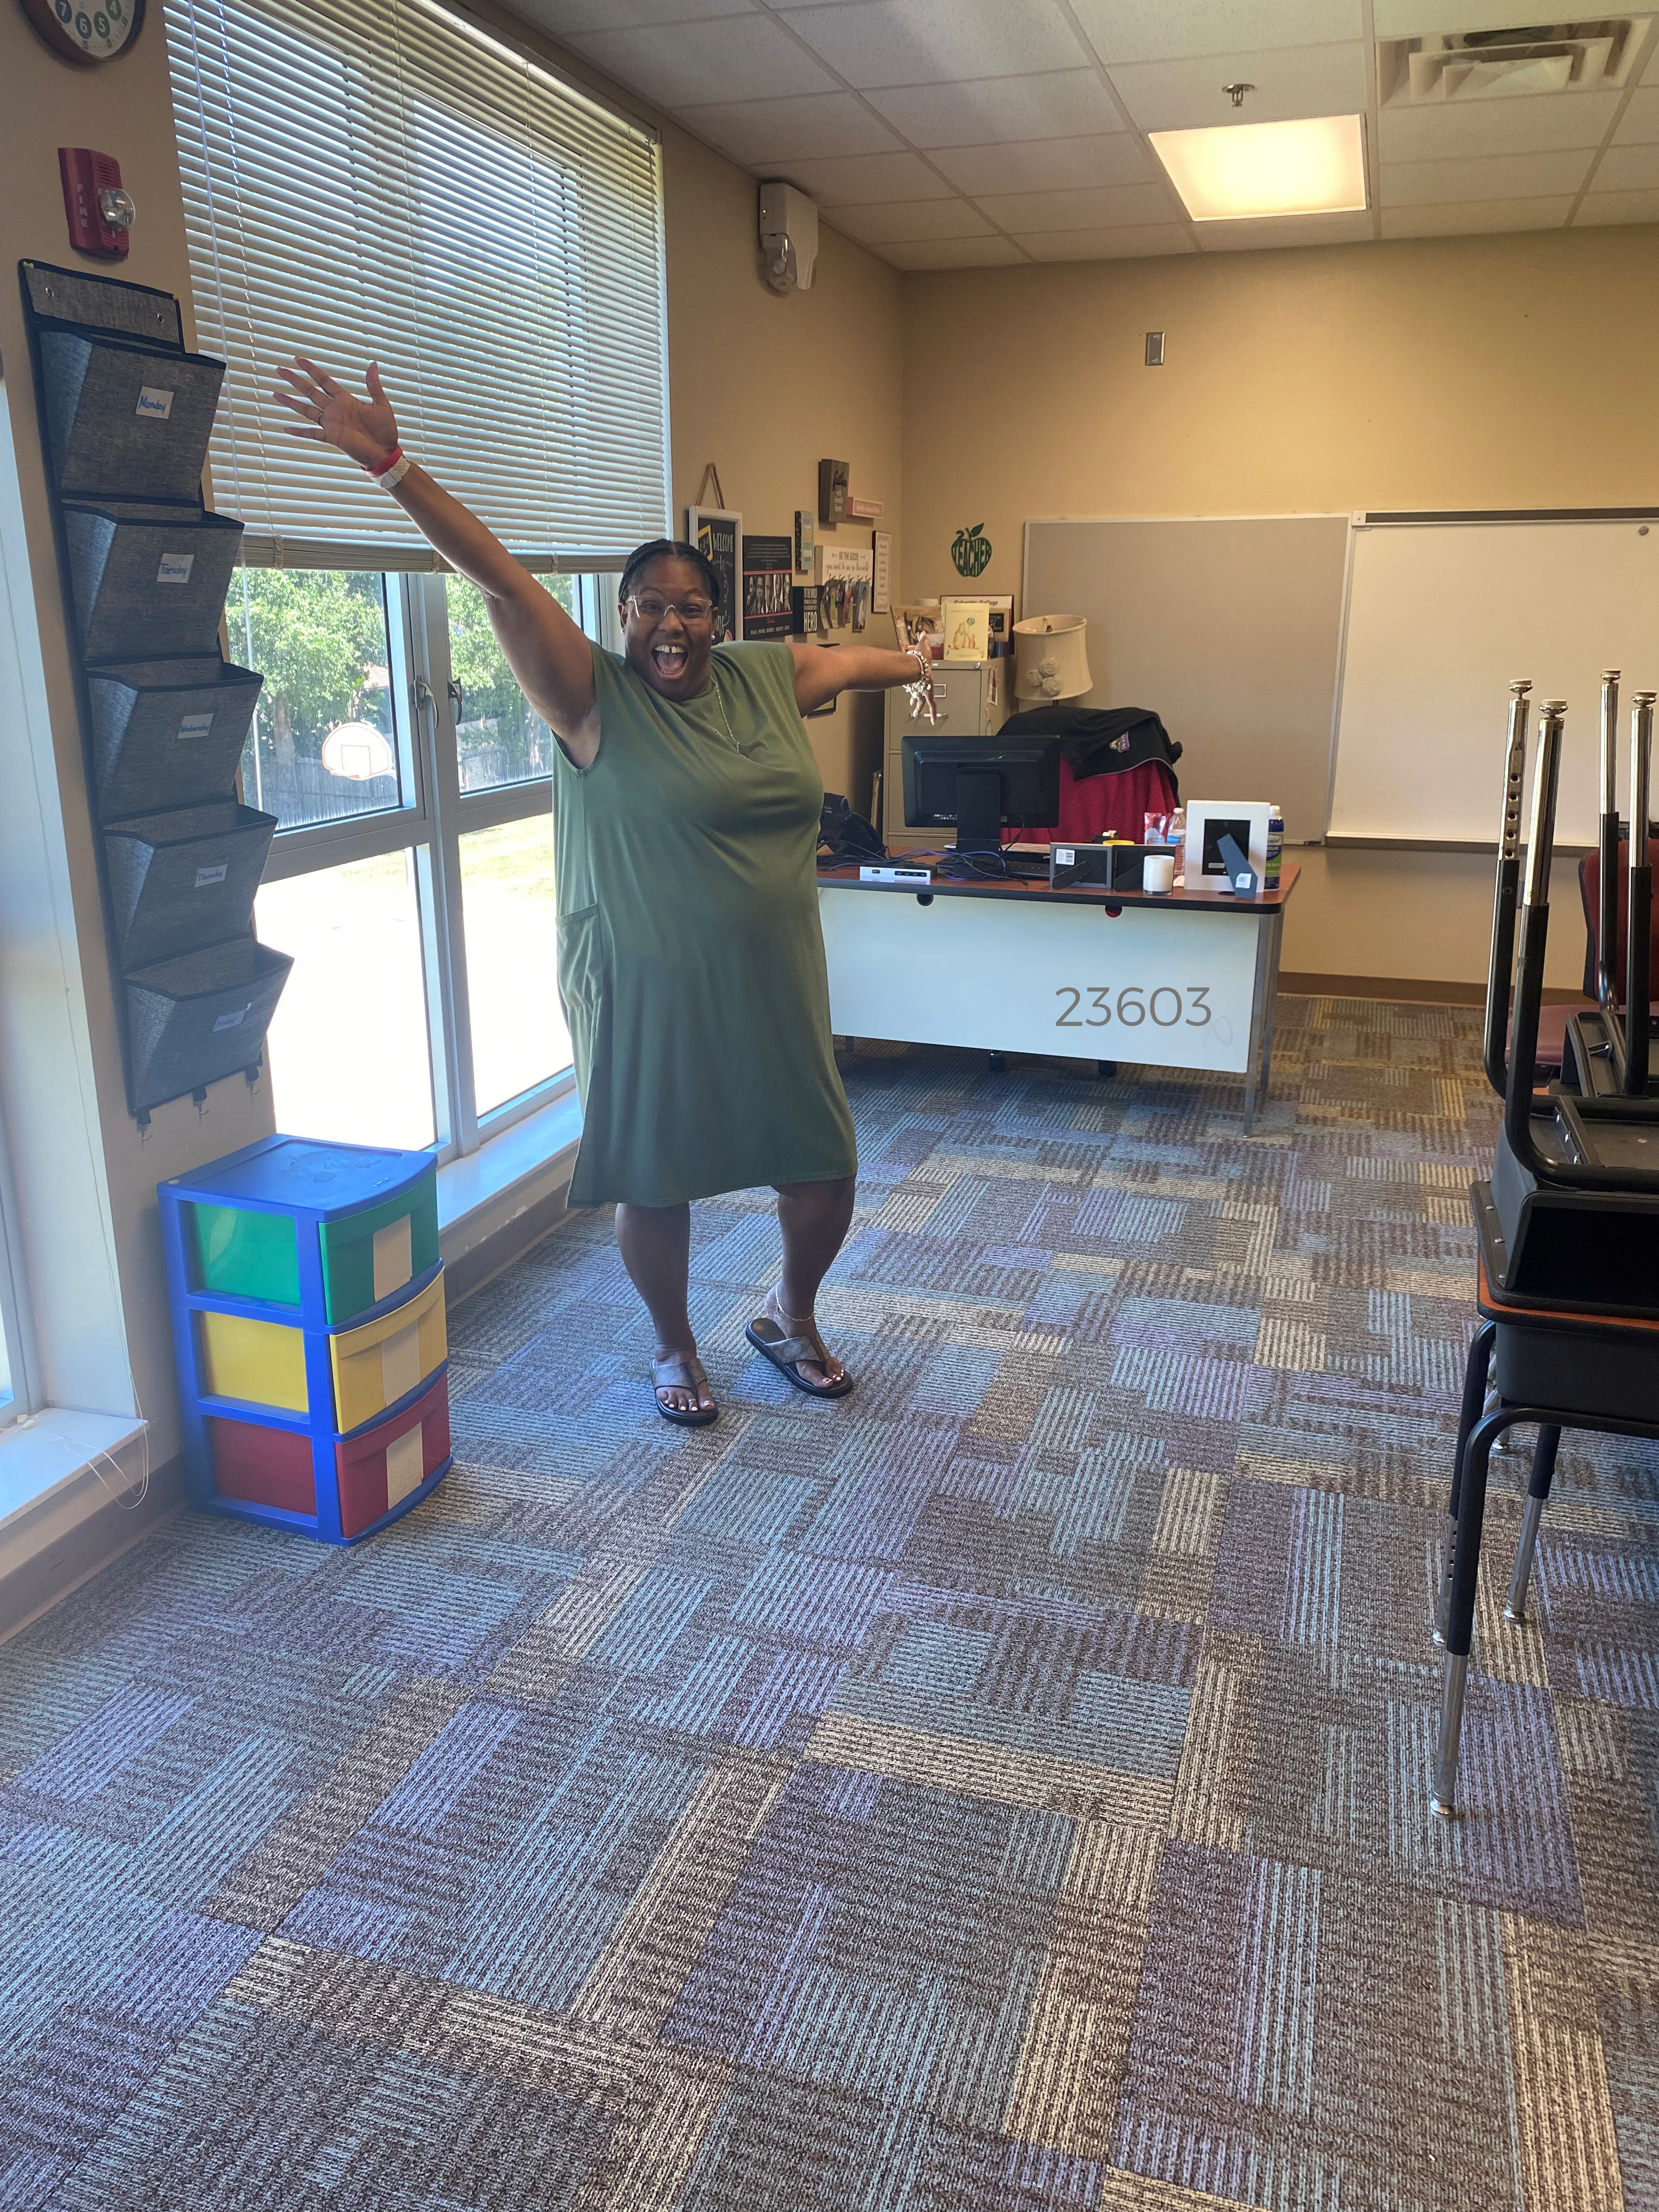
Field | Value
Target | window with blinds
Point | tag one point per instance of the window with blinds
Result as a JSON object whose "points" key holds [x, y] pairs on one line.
{"points": [[374, 180]]}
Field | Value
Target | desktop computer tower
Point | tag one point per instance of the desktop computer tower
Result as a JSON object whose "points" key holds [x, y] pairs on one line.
{"points": [[974, 702]]}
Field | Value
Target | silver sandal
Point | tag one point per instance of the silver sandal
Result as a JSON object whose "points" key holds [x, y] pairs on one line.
{"points": [[788, 1353], [678, 1374]]}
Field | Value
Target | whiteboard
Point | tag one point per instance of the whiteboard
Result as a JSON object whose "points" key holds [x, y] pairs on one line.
{"points": [[1443, 617], [1227, 626]]}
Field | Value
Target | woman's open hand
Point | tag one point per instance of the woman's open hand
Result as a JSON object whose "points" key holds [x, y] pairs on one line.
{"points": [[364, 429]]}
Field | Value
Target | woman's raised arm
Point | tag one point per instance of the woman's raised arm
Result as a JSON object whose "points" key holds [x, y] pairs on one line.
{"points": [[547, 652]]}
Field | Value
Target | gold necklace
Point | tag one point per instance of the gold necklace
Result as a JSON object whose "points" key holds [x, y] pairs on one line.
{"points": [[714, 686]]}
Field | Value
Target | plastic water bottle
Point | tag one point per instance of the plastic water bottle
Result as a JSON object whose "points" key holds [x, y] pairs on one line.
{"points": [[1275, 851]]}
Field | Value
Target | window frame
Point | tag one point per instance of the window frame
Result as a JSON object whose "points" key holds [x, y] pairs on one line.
{"points": [[436, 814], [16, 1337]]}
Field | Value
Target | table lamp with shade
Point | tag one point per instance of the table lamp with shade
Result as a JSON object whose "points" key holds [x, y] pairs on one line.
{"points": [[1051, 661]]}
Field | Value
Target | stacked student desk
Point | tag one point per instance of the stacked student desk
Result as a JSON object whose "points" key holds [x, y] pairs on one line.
{"points": [[308, 1326], [1186, 979]]}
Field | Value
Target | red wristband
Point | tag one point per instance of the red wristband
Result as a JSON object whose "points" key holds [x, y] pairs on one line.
{"points": [[390, 462]]}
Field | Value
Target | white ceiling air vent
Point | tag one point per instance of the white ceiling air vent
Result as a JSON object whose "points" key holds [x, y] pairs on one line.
{"points": [[1530, 57]]}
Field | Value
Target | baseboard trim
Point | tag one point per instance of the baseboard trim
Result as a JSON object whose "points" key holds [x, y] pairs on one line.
{"points": [[470, 1271], [1407, 990], [109, 1531]]}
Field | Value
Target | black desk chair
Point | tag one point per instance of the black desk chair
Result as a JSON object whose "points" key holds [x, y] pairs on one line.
{"points": [[1562, 1370]]}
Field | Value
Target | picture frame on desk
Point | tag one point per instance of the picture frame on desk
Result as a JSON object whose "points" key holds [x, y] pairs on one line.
{"points": [[717, 533], [918, 619], [965, 625]]}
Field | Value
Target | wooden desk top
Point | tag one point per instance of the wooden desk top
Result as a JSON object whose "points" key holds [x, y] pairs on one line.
{"points": [[1202, 900]]}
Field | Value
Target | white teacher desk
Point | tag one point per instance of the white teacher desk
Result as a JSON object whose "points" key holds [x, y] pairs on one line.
{"points": [[1186, 980]]}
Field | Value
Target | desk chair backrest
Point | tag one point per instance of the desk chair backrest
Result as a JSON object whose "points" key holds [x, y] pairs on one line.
{"points": [[1589, 890], [1099, 806]]}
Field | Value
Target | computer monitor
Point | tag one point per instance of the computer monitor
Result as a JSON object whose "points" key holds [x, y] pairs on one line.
{"points": [[976, 785]]}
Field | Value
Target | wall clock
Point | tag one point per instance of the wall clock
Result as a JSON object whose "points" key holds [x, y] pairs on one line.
{"points": [[87, 31]]}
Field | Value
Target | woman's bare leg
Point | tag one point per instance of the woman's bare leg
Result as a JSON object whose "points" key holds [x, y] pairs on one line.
{"points": [[814, 1218], [655, 1243]]}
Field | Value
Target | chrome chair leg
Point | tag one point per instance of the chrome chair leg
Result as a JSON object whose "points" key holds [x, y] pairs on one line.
{"points": [[1538, 1490], [1459, 1617], [1443, 1798], [1475, 1374]]}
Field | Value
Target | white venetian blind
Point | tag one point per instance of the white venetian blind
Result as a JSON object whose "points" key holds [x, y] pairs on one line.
{"points": [[375, 179]]}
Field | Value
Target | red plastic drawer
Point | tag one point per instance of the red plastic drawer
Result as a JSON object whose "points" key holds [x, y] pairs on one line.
{"points": [[379, 1468], [261, 1466]]}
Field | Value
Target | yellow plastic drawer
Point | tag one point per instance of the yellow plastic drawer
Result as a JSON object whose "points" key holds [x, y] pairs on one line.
{"points": [[261, 1362], [386, 1359]]}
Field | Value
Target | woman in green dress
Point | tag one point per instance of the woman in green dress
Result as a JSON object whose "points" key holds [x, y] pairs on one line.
{"points": [[690, 959]]}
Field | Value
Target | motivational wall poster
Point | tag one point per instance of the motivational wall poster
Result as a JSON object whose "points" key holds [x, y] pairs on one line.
{"points": [[768, 572], [717, 533]]}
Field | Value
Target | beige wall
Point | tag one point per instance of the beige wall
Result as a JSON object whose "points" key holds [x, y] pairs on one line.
{"points": [[761, 384], [765, 386], [123, 109], [1456, 372]]}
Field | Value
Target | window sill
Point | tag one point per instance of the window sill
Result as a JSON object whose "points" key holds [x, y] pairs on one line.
{"points": [[485, 1197], [49, 1462]]}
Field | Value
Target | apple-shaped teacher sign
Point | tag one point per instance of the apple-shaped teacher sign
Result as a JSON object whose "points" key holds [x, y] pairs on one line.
{"points": [[970, 549]]}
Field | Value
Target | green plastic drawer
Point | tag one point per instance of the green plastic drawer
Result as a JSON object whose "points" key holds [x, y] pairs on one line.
{"points": [[371, 1256], [238, 1252]]}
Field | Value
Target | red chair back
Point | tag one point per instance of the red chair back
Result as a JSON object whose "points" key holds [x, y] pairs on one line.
{"points": [[1102, 806]]}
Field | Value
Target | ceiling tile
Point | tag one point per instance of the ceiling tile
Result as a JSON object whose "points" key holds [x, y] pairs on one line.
{"points": [[1495, 177], [1466, 216], [755, 131], [1055, 104], [859, 179], [910, 219], [1499, 126], [1639, 124], [566, 19], [1185, 95], [1281, 230], [1616, 207], [1627, 169], [882, 42], [1017, 211], [951, 254], [1169, 30], [1122, 242], [739, 58], [1046, 164]]}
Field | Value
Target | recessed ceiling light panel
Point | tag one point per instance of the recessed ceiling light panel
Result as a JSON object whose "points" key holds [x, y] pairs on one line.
{"points": [[1315, 166]]}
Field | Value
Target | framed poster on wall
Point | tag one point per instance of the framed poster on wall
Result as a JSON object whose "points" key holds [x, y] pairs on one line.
{"points": [[766, 579], [717, 533]]}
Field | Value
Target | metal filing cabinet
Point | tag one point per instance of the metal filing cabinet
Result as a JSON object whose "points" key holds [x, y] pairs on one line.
{"points": [[973, 702]]}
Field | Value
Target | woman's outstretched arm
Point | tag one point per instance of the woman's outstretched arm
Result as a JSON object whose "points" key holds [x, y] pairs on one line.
{"points": [[547, 652], [822, 671]]}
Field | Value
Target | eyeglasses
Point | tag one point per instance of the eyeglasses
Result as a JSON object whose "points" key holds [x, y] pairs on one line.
{"points": [[651, 608]]}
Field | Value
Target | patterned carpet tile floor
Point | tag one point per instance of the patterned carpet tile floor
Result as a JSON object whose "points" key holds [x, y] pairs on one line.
{"points": [[1003, 1789]]}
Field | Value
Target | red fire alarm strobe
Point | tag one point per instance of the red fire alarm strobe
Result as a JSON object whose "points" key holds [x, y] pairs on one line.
{"points": [[99, 212]]}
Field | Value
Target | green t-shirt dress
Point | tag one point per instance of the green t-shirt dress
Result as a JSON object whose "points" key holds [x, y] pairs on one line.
{"points": [[690, 956]]}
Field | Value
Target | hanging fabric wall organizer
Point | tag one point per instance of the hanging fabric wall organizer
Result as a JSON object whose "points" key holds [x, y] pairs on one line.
{"points": [[125, 415]]}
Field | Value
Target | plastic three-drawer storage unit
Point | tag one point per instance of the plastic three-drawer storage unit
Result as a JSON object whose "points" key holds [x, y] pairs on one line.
{"points": [[308, 1303]]}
